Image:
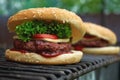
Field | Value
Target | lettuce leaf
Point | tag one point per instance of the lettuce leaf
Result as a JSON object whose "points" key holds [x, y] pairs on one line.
{"points": [[26, 30]]}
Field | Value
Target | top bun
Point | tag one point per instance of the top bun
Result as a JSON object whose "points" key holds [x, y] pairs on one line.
{"points": [[61, 15], [101, 32]]}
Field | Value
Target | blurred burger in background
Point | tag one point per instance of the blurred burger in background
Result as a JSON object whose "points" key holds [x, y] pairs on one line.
{"points": [[44, 36], [97, 40]]}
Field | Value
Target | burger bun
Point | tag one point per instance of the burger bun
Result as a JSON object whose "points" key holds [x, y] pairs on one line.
{"points": [[102, 50], [34, 58]]}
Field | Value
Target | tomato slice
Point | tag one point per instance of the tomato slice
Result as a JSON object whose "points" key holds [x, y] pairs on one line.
{"points": [[77, 47], [39, 36]]}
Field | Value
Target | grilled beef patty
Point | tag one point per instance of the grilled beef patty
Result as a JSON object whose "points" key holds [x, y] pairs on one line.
{"points": [[40, 46], [94, 43]]}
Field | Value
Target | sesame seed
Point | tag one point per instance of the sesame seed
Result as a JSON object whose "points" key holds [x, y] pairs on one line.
{"points": [[63, 21], [34, 16], [25, 18], [37, 61]]}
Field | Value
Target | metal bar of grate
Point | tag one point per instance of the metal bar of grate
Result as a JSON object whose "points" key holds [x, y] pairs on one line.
{"points": [[18, 71]]}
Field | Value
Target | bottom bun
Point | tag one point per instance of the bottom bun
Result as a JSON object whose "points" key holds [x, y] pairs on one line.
{"points": [[34, 58], [102, 50]]}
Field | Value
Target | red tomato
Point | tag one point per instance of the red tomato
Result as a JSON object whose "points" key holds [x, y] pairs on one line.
{"points": [[51, 36], [78, 47]]}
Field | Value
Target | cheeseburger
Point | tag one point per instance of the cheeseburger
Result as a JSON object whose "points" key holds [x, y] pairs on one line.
{"points": [[44, 36], [97, 40]]}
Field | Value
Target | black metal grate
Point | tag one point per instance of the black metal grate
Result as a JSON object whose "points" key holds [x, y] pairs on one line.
{"points": [[17, 71]]}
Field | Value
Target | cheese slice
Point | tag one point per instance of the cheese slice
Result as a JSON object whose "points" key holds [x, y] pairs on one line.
{"points": [[48, 39], [56, 40], [15, 37]]}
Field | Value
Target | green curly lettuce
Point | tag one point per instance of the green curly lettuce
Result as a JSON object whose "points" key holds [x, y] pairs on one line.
{"points": [[26, 30]]}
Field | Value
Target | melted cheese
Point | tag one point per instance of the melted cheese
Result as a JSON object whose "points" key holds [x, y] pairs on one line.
{"points": [[56, 40], [15, 37], [48, 39]]}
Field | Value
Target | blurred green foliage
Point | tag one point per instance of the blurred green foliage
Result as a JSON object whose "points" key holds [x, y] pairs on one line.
{"points": [[112, 6], [8, 7], [83, 6]]}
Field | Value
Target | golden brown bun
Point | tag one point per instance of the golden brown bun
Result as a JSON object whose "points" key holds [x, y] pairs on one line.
{"points": [[102, 50], [101, 32], [51, 13], [34, 58]]}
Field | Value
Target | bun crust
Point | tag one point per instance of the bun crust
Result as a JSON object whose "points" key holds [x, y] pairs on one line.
{"points": [[61, 15], [34, 58], [102, 50], [101, 32]]}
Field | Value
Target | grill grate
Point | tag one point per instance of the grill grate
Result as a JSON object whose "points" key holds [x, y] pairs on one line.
{"points": [[18, 71]]}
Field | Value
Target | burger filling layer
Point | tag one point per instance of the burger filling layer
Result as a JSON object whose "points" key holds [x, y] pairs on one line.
{"points": [[43, 47], [47, 38], [91, 41]]}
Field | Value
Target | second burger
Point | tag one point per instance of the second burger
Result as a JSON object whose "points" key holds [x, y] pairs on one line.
{"points": [[98, 40]]}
